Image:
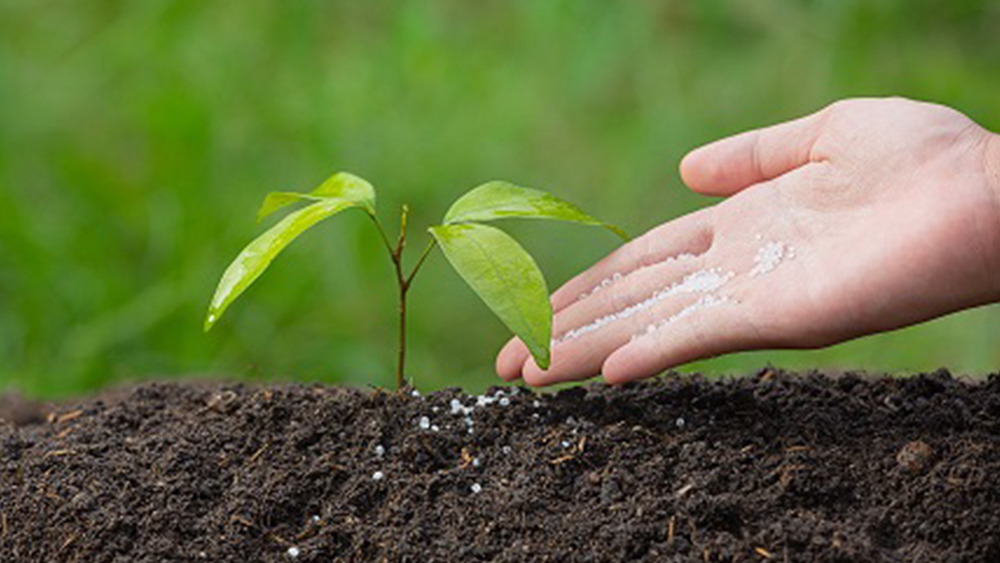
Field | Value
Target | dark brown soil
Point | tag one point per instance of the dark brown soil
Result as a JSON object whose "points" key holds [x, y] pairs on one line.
{"points": [[19, 411], [772, 467]]}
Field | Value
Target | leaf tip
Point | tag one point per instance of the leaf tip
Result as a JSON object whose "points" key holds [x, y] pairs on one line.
{"points": [[544, 361], [210, 320], [620, 232]]}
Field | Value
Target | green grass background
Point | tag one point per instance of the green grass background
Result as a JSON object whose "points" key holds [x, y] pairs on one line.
{"points": [[138, 138]]}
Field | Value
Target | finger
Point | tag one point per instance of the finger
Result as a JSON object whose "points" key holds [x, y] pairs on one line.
{"points": [[725, 167], [690, 234], [634, 293], [581, 356], [511, 359], [703, 332]]}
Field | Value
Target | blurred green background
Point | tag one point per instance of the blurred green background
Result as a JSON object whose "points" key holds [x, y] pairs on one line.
{"points": [[138, 138]]}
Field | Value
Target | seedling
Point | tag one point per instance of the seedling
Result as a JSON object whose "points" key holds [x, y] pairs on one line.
{"points": [[497, 268]]}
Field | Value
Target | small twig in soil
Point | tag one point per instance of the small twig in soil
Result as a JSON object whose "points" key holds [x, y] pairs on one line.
{"points": [[684, 490], [670, 529], [67, 417], [788, 473], [218, 400], [69, 541], [69, 430], [4, 530], [278, 539], [242, 520], [763, 552], [258, 453], [466, 458], [59, 453]]}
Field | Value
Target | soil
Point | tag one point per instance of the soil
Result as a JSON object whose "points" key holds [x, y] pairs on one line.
{"points": [[773, 467]]}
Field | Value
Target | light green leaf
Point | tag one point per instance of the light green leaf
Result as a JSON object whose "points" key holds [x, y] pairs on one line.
{"points": [[500, 200], [277, 200], [505, 277], [340, 186], [257, 256]]}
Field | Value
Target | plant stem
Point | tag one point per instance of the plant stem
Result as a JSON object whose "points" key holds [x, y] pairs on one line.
{"points": [[381, 232], [404, 282], [420, 262]]}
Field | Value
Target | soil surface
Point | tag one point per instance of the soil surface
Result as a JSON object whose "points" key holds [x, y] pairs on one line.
{"points": [[774, 467]]}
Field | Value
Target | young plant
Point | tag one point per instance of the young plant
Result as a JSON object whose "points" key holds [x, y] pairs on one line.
{"points": [[497, 268]]}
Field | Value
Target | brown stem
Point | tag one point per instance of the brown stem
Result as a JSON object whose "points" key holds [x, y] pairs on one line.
{"points": [[404, 282], [401, 350], [396, 255]]}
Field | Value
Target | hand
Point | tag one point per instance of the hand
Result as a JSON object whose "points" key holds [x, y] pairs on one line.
{"points": [[866, 216]]}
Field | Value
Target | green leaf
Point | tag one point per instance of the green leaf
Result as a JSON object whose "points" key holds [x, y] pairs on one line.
{"points": [[500, 200], [340, 186], [505, 277], [257, 256]]}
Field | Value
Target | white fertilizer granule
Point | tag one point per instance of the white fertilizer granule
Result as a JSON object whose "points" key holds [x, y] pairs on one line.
{"points": [[477, 488], [710, 300], [616, 277], [378, 476], [293, 552], [458, 408], [425, 423], [702, 281], [379, 450], [769, 257]]}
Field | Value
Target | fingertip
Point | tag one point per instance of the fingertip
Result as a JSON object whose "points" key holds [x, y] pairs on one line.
{"points": [[534, 375], [615, 370], [538, 377], [510, 359], [699, 170], [689, 166]]}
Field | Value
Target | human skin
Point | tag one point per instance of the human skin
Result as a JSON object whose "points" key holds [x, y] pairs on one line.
{"points": [[892, 207]]}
